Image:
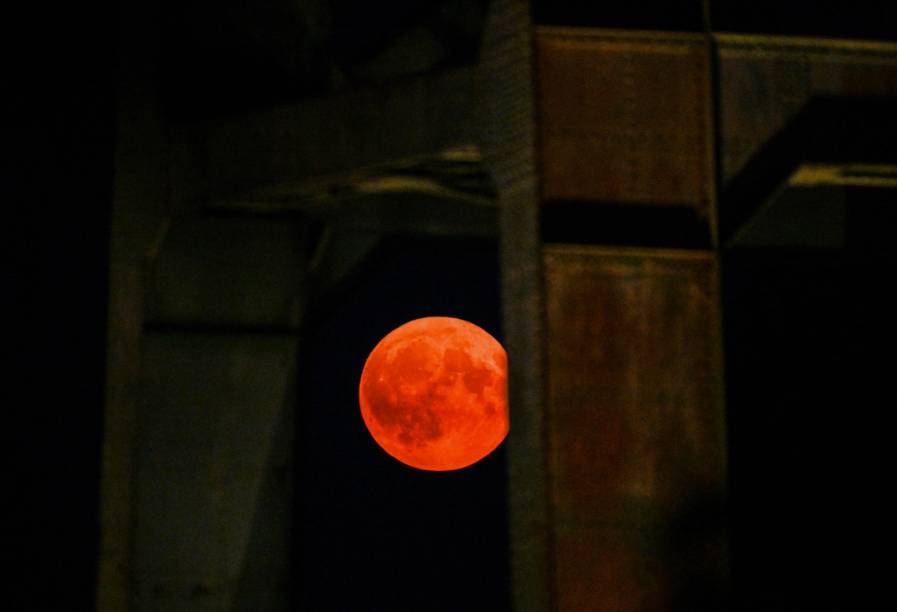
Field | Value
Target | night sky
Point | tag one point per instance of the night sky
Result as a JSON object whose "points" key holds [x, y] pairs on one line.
{"points": [[373, 533]]}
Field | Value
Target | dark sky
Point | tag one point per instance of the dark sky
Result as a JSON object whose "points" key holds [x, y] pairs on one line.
{"points": [[374, 533]]}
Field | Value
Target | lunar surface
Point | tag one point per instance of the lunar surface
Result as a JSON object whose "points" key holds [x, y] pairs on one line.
{"points": [[433, 393]]}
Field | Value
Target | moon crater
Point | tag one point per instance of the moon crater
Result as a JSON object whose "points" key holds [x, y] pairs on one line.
{"points": [[433, 393]]}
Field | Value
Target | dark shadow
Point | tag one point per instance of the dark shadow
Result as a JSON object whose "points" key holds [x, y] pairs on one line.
{"points": [[856, 19], [58, 162], [694, 548], [654, 15], [832, 130], [631, 224], [787, 327], [807, 335], [230, 56]]}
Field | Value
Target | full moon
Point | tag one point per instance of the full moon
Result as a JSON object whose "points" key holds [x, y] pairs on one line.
{"points": [[433, 393]]}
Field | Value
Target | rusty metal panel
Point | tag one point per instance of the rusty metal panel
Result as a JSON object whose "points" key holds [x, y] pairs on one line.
{"points": [[636, 427], [764, 81], [624, 117], [606, 569]]}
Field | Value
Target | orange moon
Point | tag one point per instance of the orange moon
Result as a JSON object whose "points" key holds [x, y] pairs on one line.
{"points": [[433, 393]]}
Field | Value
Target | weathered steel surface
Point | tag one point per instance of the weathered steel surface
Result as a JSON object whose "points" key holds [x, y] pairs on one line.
{"points": [[139, 211], [624, 117], [450, 192], [119, 425], [210, 425], [764, 81], [504, 114], [342, 132], [455, 174], [232, 271], [635, 426]]}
